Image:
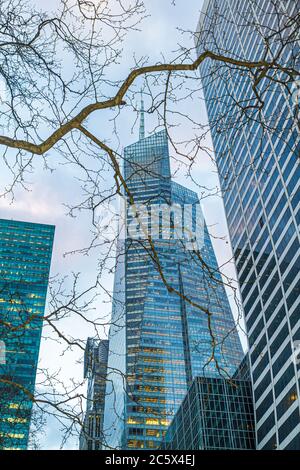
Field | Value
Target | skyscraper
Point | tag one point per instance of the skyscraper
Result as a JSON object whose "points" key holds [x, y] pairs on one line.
{"points": [[95, 369], [215, 414], [25, 257], [256, 139], [171, 320]]}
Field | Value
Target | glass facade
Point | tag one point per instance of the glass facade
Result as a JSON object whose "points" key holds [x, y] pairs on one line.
{"points": [[170, 310], [216, 414], [95, 370], [257, 154], [25, 257]]}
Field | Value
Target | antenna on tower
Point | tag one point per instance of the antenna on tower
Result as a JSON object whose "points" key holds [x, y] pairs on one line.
{"points": [[142, 118]]}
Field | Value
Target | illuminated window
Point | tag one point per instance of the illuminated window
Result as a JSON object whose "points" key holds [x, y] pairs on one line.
{"points": [[152, 421]]}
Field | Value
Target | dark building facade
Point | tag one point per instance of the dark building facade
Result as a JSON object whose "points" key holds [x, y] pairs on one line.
{"points": [[216, 414], [95, 370]]}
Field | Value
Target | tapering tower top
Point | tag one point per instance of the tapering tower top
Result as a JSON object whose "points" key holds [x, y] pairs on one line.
{"points": [[142, 118]]}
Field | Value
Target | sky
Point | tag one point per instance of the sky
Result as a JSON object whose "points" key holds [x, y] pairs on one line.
{"points": [[51, 191]]}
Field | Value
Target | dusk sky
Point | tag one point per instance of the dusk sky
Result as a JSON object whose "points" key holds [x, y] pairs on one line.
{"points": [[50, 192]]}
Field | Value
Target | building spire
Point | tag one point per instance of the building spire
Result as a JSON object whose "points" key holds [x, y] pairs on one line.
{"points": [[142, 118]]}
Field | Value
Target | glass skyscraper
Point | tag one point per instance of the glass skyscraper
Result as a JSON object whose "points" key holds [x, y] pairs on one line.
{"points": [[25, 257], [95, 369], [257, 147], [216, 414], [171, 320]]}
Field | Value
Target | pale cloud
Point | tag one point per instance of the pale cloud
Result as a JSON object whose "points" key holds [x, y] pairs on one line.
{"points": [[30, 206]]}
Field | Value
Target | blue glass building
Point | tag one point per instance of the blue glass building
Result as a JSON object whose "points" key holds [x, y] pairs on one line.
{"points": [[95, 370], [171, 320], [25, 257], [257, 153]]}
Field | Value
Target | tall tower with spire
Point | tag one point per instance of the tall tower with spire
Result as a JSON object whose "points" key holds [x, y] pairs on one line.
{"points": [[171, 320]]}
